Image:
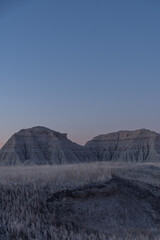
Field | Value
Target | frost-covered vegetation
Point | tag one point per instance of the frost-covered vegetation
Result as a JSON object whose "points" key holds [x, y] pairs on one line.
{"points": [[24, 191]]}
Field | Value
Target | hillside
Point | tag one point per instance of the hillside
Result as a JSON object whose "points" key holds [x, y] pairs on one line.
{"points": [[39, 146], [127, 146]]}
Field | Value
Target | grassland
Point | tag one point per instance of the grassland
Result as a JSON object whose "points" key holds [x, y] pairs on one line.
{"points": [[24, 191]]}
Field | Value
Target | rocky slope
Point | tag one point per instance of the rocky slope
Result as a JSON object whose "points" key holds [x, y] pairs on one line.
{"points": [[40, 145], [129, 146]]}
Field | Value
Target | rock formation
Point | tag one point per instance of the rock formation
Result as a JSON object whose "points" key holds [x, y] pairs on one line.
{"points": [[40, 145], [129, 146]]}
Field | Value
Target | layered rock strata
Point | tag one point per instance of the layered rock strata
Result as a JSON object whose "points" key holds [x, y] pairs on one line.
{"points": [[40, 145], [128, 146]]}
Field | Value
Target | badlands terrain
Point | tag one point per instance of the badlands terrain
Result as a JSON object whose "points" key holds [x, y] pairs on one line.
{"points": [[40, 146], [52, 188]]}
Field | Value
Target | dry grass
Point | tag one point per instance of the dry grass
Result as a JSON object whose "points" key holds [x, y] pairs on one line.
{"points": [[23, 212], [57, 176], [78, 174]]}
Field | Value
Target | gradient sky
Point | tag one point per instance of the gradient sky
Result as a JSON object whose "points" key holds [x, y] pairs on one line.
{"points": [[84, 67]]}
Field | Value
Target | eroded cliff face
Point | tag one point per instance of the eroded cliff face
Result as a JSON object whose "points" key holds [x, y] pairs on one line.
{"points": [[129, 146], [40, 145]]}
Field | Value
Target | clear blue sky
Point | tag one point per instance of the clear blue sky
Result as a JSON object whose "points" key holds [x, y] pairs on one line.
{"points": [[84, 67]]}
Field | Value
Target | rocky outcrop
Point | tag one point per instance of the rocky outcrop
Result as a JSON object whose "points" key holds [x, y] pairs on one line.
{"points": [[129, 146], [40, 145]]}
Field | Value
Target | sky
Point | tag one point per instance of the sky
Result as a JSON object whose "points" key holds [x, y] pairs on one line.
{"points": [[81, 67]]}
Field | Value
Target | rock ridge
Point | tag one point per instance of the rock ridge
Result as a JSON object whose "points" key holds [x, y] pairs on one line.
{"points": [[40, 145], [128, 146]]}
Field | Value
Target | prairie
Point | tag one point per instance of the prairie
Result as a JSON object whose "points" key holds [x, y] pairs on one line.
{"points": [[99, 200]]}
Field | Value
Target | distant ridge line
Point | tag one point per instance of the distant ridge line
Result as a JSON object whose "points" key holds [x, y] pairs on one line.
{"points": [[40, 145]]}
